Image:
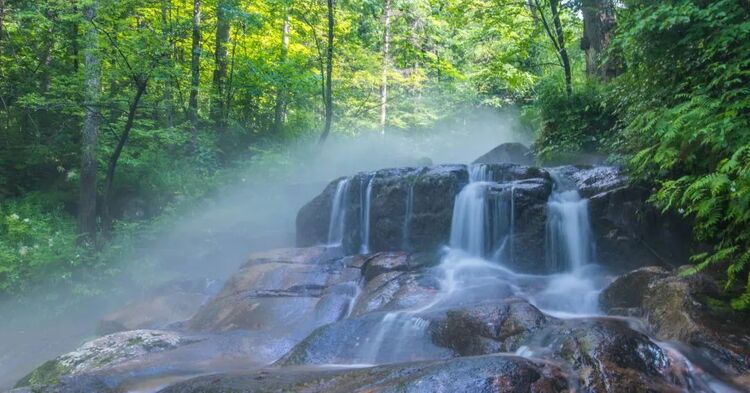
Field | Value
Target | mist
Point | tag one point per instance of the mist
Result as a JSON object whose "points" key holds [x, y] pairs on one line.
{"points": [[255, 212]]}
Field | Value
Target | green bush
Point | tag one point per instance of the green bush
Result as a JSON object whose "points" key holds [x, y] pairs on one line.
{"points": [[685, 103], [582, 123], [35, 243]]}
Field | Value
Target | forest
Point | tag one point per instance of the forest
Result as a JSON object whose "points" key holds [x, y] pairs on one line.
{"points": [[109, 102]]}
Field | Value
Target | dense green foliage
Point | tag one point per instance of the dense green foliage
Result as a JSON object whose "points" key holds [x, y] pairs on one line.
{"points": [[686, 106], [680, 115]]}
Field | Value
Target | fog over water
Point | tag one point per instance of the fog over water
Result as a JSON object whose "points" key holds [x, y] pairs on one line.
{"points": [[256, 213]]}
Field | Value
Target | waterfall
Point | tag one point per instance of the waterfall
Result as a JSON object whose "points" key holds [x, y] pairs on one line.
{"points": [[338, 213], [479, 172], [470, 219], [365, 219], [483, 215], [569, 239], [407, 216]]}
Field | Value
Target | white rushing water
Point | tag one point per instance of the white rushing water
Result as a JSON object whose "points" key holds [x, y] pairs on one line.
{"points": [[408, 213], [569, 236], [338, 213], [365, 219]]}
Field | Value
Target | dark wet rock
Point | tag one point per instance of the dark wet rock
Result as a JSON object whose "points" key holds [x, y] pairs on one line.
{"points": [[104, 352], [512, 153], [297, 289], [434, 190], [526, 251], [630, 233], [489, 328], [680, 308], [607, 355], [168, 304], [488, 374], [625, 294], [684, 309]]}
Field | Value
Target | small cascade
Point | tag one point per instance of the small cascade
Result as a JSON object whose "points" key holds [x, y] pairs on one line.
{"points": [[470, 222], [569, 239], [480, 172], [338, 213], [483, 216], [408, 213], [365, 219]]}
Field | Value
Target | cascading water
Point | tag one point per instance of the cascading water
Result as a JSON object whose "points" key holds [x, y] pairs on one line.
{"points": [[365, 219], [408, 213], [569, 243], [338, 213], [483, 215]]}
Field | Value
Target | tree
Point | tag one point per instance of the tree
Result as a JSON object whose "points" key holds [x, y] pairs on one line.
{"points": [[278, 117], [556, 34], [92, 77], [223, 25], [599, 23], [195, 72], [328, 88], [386, 60], [168, 99]]}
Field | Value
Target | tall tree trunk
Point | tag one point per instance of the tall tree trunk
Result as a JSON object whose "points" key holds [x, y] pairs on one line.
{"points": [[112, 165], [555, 8], [168, 96], [280, 110], [195, 72], [2, 20], [218, 111], [599, 23], [386, 60], [329, 75], [92, 75]]}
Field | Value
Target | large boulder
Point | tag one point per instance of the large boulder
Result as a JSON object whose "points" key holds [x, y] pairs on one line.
{"points": [[508, 153], [488, 328], [681, 308], [686, 309], [487, 374], [624, 296], [607, 355], [102, 353], [285, 292]]}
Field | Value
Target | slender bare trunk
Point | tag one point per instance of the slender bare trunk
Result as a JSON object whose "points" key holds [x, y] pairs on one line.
{"points": [[2, 20], [554, 7], [386, 61], [218, 111], [280, 110], [112, 165], [195, 73], [329, 74], [92, 77], [557, 37], [168, 96]]}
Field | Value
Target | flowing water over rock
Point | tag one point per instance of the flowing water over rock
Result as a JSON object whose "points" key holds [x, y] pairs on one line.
{"points": [[510, 301]]}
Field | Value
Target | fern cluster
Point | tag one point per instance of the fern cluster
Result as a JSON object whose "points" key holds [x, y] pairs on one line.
{"points": [[685, 106]]}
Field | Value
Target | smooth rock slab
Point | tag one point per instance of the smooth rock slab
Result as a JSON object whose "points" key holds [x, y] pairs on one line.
{"points": [[486, 374]]}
